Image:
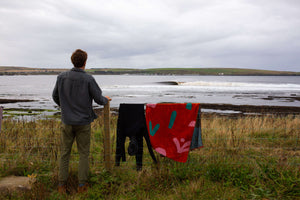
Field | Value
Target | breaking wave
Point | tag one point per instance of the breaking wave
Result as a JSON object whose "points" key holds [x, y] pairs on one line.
{"points": [[233, 84]]}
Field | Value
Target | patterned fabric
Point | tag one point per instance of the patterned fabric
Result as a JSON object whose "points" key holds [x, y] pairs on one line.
{"points": [[172, 128]]}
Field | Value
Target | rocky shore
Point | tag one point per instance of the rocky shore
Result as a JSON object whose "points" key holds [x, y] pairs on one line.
{"points": [[259, 109], [236, 110], [4, 101], [218, 109]]}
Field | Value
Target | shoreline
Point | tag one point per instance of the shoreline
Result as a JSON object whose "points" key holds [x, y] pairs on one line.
{"points": [[5, 101], [15, 70], [207, 108], [262, 109], [234, 110]]}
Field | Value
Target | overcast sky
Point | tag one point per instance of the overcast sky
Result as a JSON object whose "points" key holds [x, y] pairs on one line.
{"points": [[259, 34]]}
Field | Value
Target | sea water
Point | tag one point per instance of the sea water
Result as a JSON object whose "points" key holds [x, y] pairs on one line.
{"points": [[237, 90]]}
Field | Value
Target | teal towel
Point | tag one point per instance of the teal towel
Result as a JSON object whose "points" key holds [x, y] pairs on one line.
{"points": [[197, 137]]}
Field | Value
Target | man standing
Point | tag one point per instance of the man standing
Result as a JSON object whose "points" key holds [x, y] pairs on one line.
{"points": [[74, 92]]}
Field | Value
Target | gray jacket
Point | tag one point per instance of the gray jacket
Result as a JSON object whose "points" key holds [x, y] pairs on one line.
{"points": [[74, 92]]}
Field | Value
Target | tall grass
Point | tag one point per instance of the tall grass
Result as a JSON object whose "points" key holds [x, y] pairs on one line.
{"points": [[251, 157]]}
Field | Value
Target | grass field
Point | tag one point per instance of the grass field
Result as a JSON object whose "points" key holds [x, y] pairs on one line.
{"points": [[255, 157]]}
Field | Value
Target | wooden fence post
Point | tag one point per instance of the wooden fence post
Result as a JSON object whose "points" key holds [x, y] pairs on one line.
{"points": [[1, 114], [106, 142]]}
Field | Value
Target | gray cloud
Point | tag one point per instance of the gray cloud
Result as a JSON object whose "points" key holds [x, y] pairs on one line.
{"points": [[160, 33]]}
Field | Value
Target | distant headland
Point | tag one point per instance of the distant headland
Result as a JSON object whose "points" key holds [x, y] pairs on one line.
{"points": [[11, 70]]}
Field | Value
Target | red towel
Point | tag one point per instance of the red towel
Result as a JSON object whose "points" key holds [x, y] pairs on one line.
{"points": [[171, 128]]}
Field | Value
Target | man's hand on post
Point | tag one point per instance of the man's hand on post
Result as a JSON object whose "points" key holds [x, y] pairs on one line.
{"points": [[109, 99]]}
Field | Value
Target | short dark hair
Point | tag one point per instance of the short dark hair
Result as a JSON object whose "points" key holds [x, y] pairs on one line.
{"points": [[79, 58]]}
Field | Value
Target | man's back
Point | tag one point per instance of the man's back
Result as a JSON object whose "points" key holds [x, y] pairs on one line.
{"points": [[74, 92]]}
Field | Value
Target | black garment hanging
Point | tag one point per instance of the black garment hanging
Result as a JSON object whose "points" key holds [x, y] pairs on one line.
{"points": [[132, 124]]}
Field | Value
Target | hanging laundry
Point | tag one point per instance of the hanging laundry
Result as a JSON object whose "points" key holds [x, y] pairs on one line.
{"points": [[132, 124], [1, 115], [174, 129], [197, 136]]}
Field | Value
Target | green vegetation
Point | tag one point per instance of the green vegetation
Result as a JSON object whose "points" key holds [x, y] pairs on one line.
{"points": [[216, 71], [253, 157], [153, 71], [8, 70]]}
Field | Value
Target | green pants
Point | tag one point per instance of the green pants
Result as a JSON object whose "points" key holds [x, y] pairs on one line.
{"points": [[82, 134]]}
